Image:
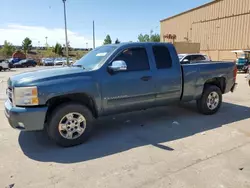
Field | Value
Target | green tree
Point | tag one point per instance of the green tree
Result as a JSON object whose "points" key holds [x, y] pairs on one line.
{"points": [[27, 44], [58, 49], [117, 41], [143, 38], [107, 40], [7, 49], [49, 52], [152, 37]]}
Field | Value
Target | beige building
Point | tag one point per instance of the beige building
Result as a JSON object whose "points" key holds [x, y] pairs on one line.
{"points": [[219, 26]]}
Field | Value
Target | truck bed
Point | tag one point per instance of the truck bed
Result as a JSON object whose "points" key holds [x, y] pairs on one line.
{"points": [[196, 75]]}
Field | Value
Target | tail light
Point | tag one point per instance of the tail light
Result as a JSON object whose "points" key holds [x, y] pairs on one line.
{"points": [[235, 72]]}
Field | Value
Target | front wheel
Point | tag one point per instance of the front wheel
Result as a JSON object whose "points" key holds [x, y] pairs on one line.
{"points": [[70, 124], [210, 101]]}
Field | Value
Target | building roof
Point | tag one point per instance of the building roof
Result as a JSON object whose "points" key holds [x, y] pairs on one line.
{"points": [[204, 5]]}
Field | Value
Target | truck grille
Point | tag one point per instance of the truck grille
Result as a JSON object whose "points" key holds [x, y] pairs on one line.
{"points": [[9, 93]]}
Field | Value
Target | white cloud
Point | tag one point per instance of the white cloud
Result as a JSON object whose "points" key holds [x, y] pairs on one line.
{"points": [[15, 34]]}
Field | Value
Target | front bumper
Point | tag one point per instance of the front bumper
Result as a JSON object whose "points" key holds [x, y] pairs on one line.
{"points": [[27, 119]]}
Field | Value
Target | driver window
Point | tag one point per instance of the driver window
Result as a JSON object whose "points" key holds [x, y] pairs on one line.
{"points": [[135, 58]]}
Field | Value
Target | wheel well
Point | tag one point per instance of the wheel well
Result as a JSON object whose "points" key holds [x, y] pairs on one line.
{"points": [[81, 98], [219, 82]]}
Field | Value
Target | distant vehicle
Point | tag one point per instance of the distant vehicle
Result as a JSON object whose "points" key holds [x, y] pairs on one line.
{"points": [[43, 60], [4, 65], [59, 61], [71, 61], [243, 60], [25, 63], [109, 80], [14, 60], [48, 62], [192, 58], [62, 61]]}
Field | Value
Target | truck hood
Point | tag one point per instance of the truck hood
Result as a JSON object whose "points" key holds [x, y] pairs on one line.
{"points": [[30, 78]]}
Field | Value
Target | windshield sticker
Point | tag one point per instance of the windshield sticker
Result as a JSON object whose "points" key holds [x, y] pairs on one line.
{"points": [[101, 54]]}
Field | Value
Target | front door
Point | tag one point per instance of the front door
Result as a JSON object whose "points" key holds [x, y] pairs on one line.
{"points": [[132, 89]]}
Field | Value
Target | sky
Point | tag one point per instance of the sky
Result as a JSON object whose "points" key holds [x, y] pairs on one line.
{"points": [[120, 19]]}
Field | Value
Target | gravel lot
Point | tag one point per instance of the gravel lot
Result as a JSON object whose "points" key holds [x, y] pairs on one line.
{"points": [[165, 147]]}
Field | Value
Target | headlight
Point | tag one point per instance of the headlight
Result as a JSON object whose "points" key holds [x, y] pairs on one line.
{"points": [[26, 96]]}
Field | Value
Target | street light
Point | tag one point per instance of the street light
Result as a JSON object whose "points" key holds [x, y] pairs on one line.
{"points": [[66, 35]]}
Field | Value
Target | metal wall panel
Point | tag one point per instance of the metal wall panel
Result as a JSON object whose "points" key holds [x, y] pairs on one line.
{"points": [[223, 25]]}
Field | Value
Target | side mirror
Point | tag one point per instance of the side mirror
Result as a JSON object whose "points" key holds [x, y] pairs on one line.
{"points": [[118, 66], [185, 61]]}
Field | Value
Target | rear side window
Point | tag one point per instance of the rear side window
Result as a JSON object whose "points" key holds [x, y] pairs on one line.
{"points": [[198, 58], [135, 58], [189, 58], [162, 57]]}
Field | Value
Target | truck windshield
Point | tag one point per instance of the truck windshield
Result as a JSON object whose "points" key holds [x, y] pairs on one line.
{"points": [[92, 59]]}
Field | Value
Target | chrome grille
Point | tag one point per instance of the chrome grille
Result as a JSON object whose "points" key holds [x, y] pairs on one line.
{"points": [[9, 93]]}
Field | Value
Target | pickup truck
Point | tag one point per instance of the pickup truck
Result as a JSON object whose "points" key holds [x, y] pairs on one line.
{"points": [[112, 79]]}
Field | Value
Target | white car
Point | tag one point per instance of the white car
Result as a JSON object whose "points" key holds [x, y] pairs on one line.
{"points": [[59, 61], [62, 61], [192, 58], [4, 65]]}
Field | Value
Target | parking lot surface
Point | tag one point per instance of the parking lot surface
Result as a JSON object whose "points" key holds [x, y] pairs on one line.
{"points": [[171, 146]]}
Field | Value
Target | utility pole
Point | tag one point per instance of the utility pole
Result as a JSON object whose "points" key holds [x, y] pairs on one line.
{"points": [[46, 38], [66, 34], [93, 34]]}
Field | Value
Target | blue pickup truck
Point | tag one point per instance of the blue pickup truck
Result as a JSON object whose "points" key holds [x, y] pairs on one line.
{"points": [[112, 79]]}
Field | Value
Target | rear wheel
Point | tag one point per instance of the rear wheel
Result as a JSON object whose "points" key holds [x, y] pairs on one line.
{"points": [[1, 68], [210, 101], [70, 124]]}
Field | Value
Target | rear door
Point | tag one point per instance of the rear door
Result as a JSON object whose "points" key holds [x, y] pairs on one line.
{"points": [[168, 75]]}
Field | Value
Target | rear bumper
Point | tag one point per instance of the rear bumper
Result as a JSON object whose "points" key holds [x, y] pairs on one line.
{"points": [[27, 119]]}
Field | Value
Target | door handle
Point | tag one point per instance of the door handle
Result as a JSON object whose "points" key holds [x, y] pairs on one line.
{"points": [[146, 78]]}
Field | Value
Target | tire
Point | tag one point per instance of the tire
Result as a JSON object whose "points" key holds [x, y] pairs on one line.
{"points": [[57, 116], [1, 68], [202, 103]]}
